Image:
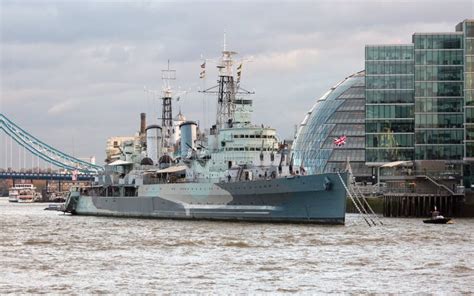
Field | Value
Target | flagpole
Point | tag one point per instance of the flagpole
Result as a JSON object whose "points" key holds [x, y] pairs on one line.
{"points": [[204, 103], [202, 76]]}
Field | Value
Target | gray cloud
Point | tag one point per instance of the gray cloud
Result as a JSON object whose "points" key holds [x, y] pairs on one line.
{"points": [[77, 69]]}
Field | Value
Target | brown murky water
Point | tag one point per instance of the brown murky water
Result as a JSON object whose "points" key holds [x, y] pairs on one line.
{"points": [[47, 252]]}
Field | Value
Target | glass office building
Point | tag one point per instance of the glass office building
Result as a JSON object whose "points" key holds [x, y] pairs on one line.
{"points": [[466, 28], [439, 115], [420, 102], [414, 102], [389, 103]]}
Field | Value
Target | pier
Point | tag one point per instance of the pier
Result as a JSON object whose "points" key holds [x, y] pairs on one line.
{"points": [[420, 205]]}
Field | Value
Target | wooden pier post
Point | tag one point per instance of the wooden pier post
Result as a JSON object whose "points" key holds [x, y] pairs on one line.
{"points": [[384, 211], [450, 206]]}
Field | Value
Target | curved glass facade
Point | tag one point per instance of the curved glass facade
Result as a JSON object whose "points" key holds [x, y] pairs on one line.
{"points": [[339, 112]]}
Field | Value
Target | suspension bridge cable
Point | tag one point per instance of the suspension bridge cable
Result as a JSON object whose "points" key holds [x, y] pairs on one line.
{"points": [[43, 150]]}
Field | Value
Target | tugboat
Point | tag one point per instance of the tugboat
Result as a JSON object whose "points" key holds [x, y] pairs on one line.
{"points": [[236, 170], [436, 218]]}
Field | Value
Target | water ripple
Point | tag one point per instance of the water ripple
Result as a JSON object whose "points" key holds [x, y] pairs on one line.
{"points": [[47, 252]]}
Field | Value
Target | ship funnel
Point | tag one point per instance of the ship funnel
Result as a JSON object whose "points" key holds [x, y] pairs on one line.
{"points": [[153, 142], [142, 123], [188, 137]]}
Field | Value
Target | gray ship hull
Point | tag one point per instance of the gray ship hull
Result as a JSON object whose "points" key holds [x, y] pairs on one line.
{"points": [[311, 199]]}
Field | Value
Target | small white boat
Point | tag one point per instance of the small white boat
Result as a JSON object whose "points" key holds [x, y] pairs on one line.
{"points": [[436, 218], [22, 193], [55, 207], [13, 195]]}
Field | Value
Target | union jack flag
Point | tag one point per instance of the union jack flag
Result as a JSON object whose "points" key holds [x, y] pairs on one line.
{"points": [[74, 175], [340, 141]]}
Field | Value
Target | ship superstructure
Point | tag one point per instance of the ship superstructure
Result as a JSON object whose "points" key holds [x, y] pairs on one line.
{"points": [[236, 171], [236, 149]]}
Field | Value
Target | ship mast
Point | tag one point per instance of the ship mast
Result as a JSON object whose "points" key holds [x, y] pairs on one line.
{"points": [[226, 89], [167, 112]]}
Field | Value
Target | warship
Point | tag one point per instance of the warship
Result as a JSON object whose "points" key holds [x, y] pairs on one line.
{"points": [[235, 170]]}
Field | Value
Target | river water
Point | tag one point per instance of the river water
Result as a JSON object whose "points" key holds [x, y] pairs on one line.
{"points": [[48, 252]]}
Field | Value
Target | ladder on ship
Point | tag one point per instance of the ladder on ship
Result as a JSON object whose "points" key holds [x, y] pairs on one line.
{"points": [[359, 201], [361, 197]]}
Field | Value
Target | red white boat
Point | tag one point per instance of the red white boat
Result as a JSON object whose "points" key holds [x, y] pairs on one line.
{"points": [[22, 193]]}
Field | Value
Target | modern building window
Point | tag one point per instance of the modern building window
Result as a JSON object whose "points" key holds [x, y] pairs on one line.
{"points": [[386, 126], [439, 120], [439, 152], [388, 140], [470, 133], [439, 136], [470, 150], [469, 46], [469, 29], [469, 115], [389, 155], [438, 105], [469, 97]]}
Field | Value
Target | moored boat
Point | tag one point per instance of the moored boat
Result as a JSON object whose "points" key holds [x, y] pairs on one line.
{"points": [[13, 195], [437, 221], [236, 170], [436, 218], [26, 193], [22, 193]]}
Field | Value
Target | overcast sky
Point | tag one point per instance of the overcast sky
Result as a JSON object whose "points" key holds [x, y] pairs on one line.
{"points": [[73, 73]]}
